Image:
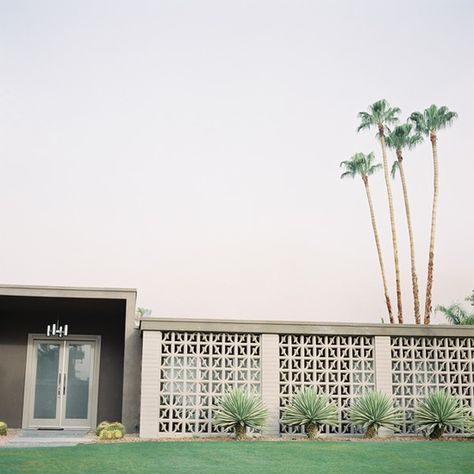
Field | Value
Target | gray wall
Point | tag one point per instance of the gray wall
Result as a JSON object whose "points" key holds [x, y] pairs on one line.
{"points": [[21, 315]]}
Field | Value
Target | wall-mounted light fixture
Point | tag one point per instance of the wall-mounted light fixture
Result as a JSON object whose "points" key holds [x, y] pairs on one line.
{"points": [[57, 330]]}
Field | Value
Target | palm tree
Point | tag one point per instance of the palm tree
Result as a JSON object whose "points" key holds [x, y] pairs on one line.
{"points": [[400, 138], [429, 123], [471, 299], [363, 166], [456, 314], [381, 115]]}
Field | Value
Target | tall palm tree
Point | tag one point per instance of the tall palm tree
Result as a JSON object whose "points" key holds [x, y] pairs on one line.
{"points": [[363, 166], [429, 123], [381, 116], [400, 138]]}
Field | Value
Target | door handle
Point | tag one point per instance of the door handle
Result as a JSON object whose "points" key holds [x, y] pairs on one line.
{"points": [[64, 384], [59, 384]]}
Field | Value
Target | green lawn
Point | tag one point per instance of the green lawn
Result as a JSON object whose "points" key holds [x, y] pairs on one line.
{"points": [[245, 457]]}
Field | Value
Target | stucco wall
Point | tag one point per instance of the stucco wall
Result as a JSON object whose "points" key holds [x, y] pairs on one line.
{"points": [[22, 315]]}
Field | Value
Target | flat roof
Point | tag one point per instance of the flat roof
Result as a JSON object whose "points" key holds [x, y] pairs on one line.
{"points": [[66, 291], [302, 327]]}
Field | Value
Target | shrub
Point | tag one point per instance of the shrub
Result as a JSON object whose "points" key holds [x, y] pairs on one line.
{"points": [[374, 410], [110, 434], [116, 426], [110, 430], [101, 426], [3, 428], [311, 410], [239, 410], [438, 411]]}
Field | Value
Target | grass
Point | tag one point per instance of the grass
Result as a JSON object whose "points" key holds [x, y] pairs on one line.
{"points": [[245, 457]]}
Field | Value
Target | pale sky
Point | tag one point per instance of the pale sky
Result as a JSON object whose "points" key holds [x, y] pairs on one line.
{"points": [[191, 149]]}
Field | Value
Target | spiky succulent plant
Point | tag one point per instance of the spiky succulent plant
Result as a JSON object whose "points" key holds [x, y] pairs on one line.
{"points": [[438, 411], [310, 409], [374, 410], [239, 410], [470, 425]]}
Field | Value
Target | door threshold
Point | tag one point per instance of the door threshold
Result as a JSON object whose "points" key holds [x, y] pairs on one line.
{"points": [[50, 429]]}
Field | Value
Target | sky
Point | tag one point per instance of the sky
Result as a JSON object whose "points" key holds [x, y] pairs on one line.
{"points": [[191, 150]]}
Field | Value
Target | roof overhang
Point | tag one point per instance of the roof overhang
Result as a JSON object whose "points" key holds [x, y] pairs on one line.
{"points": [[302, 327], [67, 292]]}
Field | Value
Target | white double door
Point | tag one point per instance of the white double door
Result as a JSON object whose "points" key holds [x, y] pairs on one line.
{"points": [[62, 381]]}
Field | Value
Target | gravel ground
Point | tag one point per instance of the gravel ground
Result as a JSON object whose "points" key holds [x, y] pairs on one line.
{"points": [[10, 434], [133, 438]]}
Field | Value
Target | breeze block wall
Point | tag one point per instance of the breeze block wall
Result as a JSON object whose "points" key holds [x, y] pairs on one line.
{"points": [[187, 365]]}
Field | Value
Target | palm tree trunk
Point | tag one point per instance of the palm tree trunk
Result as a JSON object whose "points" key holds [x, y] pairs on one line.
{"points": [[414, 277], [379, 250], [429, 282], [392, 224]]}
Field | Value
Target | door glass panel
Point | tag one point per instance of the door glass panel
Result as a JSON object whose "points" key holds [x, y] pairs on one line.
{"points": [[78, 380], [47, 367]]}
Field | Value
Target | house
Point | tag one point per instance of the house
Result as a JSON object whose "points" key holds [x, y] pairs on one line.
{"points": [[70, 357], [61, 382]]}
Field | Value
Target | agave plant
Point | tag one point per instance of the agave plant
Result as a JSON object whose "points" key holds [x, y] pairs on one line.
{"points": [[374, 410], [438, 411], [310, 409], [470, 425], [239, 410]]}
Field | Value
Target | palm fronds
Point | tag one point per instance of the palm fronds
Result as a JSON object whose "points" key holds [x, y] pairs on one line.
{"points": [[379, 114], [456, 314], [432, 119], [403, 136], [359, 165]]}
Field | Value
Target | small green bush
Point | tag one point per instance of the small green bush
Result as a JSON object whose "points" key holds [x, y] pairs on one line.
{"points": [[108, 434], [374, 410], [116, 426], [110, 430], [101, 426], [240, 410], [438, 411], [3, 428], [310, 409]]}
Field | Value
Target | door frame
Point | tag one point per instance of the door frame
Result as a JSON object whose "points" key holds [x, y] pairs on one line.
{"points": [[28, 396]]}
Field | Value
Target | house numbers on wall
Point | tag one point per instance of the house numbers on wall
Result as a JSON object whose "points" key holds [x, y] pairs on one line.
{"points": [[57, 330]]}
